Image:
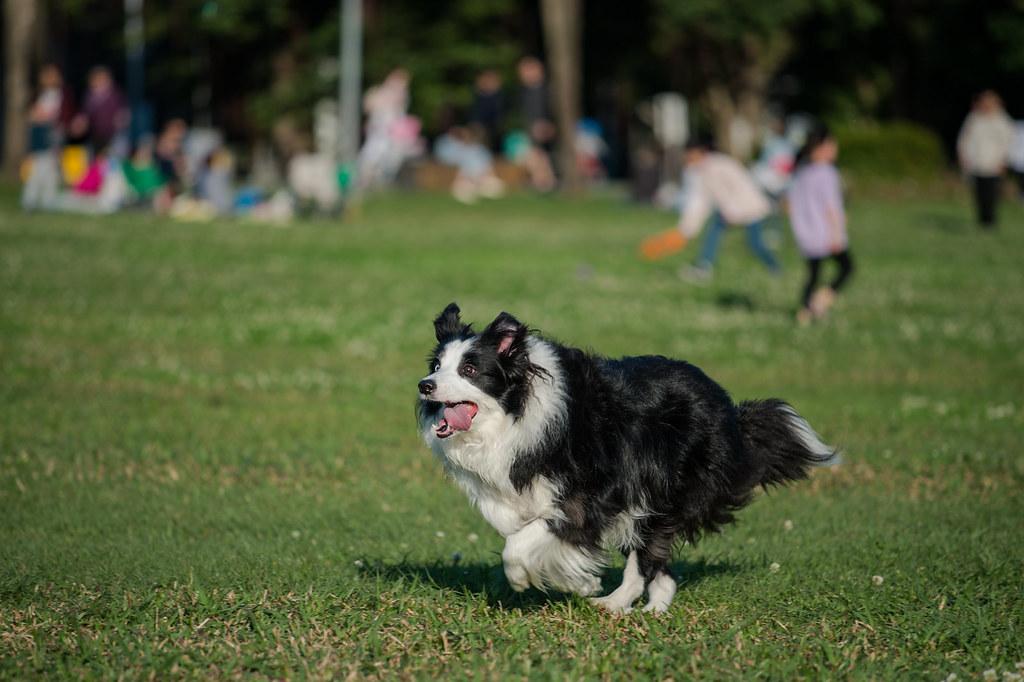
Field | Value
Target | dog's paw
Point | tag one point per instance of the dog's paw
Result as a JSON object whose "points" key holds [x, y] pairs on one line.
{"points": [[612, 604], [517, 576], [660, 593], [656, 607], [588, 587]]}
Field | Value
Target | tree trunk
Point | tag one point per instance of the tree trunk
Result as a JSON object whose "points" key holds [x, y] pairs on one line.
{"points": [[562, 38], [737, 97], [19, 20]]}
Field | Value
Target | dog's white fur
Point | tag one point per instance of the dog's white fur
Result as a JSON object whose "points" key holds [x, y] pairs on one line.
{"points": [[660, 593], [479, 461], [631, 589], [810, 438]]}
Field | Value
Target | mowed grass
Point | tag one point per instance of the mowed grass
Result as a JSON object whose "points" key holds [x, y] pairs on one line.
{"points": [[209, 465]]}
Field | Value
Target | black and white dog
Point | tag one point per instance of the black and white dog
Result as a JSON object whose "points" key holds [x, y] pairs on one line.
{"points": [[567, 453]]}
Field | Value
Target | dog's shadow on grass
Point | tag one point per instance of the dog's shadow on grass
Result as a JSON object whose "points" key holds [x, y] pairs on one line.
{"points": [[488, 580]]}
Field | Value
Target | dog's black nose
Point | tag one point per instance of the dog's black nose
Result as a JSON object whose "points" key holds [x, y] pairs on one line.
{"points": [[427, 387]]}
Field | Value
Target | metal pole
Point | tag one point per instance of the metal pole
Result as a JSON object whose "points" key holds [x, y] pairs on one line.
{"points": [[350, 49]]}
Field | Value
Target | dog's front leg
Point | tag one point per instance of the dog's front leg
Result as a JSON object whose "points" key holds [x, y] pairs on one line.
{"points": [[520, 547], [536, 556]]}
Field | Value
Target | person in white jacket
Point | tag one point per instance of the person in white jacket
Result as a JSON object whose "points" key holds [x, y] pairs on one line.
{"points": [[720, 187], [984, 150]]}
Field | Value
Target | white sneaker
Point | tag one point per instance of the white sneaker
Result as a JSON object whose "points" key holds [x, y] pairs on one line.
{"points": [[695, 274]]}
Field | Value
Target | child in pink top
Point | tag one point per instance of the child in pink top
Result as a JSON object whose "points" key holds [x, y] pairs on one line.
{"points": [[819, 221]]}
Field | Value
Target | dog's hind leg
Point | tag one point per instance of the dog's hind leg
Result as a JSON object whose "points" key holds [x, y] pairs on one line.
{"points": [[653, 560], [660, 592], [631, 589]]}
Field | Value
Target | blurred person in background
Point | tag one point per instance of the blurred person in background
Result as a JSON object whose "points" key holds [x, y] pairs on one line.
{"points": [[142, 173], [386, 106], [170, 152], [984, 148], [720, 187], [591, 149], [540, 130], [104, 117], [463, 148], [215, 180], [774, 167], [488, 108], [818, 220], [103, 188], [169, 156], [1016, 161], [49, 118]]}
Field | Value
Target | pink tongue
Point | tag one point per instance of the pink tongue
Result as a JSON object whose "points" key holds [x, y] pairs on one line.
{"points": [[460, 417]]}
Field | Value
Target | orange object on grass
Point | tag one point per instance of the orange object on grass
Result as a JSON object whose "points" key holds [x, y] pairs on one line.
{"points": [[662, 244]]}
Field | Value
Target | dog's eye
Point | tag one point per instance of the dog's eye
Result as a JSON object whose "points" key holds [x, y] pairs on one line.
{"points": [[437, 366], [468, 371]]}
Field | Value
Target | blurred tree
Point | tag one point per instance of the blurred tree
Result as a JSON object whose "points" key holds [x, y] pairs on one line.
{"points": [[267, 60], [727, 53], [444, 44], [562, 36], [921, 60], [253, 63], [19, 30]]}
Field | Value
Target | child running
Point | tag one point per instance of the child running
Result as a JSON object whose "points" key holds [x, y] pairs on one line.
{"points": [[819, 221], [721, 187]]}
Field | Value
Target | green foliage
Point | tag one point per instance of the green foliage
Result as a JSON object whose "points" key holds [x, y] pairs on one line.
{"points": [[893, 151], [1007, 28], [444, 45], [729, 21], [209, 468]]}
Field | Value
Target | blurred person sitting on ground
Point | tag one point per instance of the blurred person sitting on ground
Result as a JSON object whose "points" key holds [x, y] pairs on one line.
{"points": [[104, 117], [818, 220], [464, 148], [540, 130], [49, 118], [591, 149], [983, 147], [215, 179], [170, 159], [142, 172], [101, 190], [720, 187], [488, 107]]}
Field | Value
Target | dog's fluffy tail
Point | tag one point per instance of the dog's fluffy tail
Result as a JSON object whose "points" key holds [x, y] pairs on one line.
{"points": [[782, 441]]}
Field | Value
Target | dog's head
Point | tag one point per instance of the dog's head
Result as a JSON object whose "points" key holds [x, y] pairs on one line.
{"points": [[470, 374]]}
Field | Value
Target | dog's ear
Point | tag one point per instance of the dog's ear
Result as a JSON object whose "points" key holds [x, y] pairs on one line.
{"points": [[448, 324], [507, 334]]}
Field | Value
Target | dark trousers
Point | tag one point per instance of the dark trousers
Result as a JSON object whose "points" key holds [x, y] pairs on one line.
{"points": [[986, 194], [845, 263]]}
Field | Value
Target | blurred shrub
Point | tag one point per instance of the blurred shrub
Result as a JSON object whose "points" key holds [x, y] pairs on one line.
{"points": [[890, 151]]}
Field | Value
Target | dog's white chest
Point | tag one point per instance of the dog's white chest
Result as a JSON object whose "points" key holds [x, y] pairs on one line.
{"points": [[505, 509]]}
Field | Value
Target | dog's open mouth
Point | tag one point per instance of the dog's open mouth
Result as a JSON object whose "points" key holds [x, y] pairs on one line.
{"points": [[457, 417]]}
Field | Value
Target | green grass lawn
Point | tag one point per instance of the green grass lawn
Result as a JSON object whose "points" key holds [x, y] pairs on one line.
{"points": [[209, 463]]}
